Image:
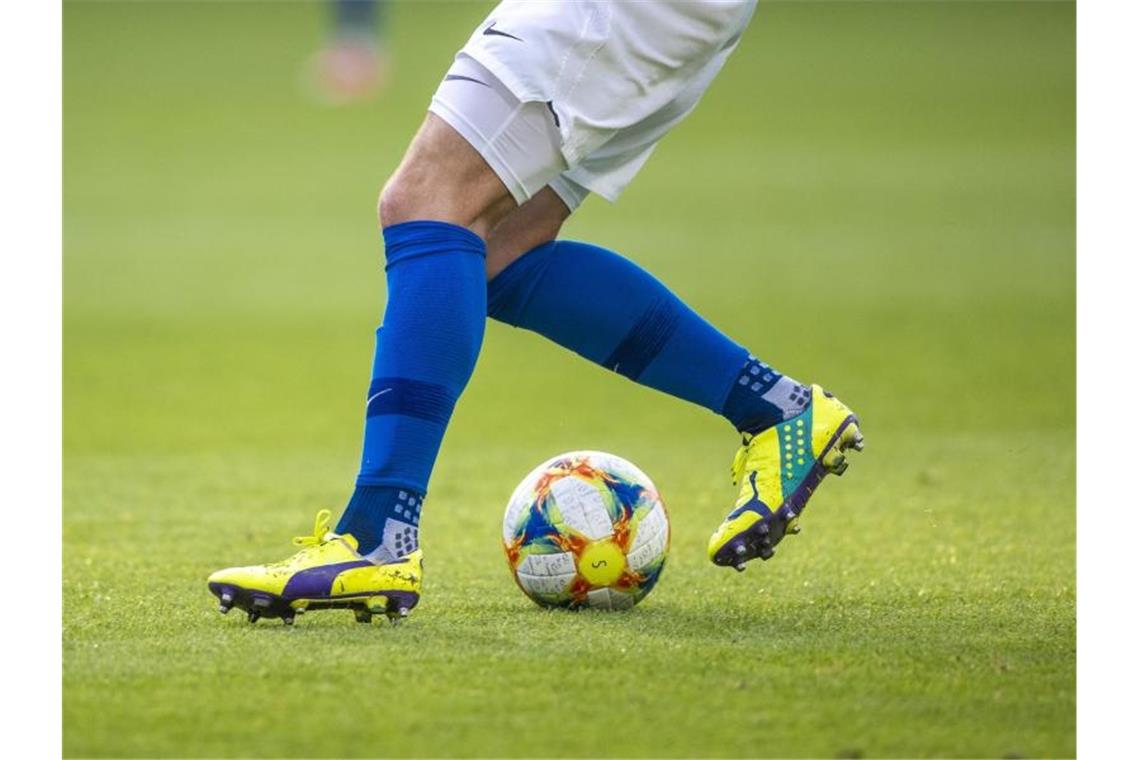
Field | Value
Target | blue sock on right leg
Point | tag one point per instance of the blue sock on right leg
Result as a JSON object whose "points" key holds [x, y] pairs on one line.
{"points": [[614, 313]]}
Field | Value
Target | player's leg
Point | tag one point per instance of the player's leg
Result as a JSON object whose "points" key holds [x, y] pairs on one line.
{"points": [[611, 311], [435, 211], [436, 310], [614, 313]]}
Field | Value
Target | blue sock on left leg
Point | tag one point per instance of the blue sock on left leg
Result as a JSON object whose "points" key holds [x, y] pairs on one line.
{"points": [[386, 516], [425, 354], [614, 313]]}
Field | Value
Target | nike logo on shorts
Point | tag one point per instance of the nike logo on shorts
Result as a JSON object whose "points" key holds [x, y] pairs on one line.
{"points": [[461, 78], [493, 32]]}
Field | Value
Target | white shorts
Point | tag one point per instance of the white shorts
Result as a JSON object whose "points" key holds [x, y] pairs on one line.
{"points": [[576, 95]]}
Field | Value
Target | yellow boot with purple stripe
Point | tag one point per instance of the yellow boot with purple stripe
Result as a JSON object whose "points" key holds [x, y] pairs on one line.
{"points": [[327, 573]]}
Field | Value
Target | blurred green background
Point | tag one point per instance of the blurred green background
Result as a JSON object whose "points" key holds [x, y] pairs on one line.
{"points": [[875, 196]]}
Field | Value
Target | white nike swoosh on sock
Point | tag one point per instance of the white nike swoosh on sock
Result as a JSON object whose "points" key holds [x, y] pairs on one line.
{"points": [[373, 396]]}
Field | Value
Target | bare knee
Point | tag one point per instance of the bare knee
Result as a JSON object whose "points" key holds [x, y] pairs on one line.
{"points": [[398, 202], [442, 178]]}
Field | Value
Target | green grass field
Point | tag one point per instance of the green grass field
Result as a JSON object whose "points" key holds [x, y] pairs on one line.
{"points": [[878, 197]]}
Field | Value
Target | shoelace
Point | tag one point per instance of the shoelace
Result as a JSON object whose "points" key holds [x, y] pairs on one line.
{"points": [[741, 459], [320, 530]]}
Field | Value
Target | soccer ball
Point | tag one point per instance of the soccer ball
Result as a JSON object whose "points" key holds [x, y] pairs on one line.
{"points": [[586, 529]]}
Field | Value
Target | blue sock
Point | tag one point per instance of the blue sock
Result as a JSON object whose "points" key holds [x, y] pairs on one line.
{"points": [[761, 397], [384, 520], [425, 354], [614, 313]]}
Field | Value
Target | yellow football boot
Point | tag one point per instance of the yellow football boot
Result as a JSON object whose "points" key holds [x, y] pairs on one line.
{"points": [[778, 470], [328, 573]]}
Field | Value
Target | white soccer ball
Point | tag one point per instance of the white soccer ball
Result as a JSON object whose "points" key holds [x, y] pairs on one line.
{"points": [[586, 529]]}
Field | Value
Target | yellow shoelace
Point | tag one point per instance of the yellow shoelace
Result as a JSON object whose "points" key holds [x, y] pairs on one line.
{"points": [[320, 530], [741, 459]]}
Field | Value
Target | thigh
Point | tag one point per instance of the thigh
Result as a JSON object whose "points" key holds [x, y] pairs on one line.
{"points": [[518, 140]]}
